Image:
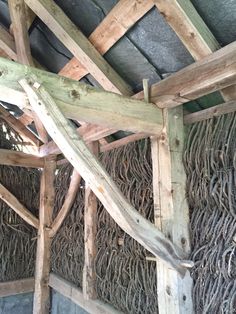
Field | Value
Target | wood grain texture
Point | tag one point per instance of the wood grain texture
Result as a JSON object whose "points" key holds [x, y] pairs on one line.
{"points": [[171, 212], [90, 232], [75, 294], [82, 102], [209, 113], [20, 30], [42, 268], [210, 74], [79, 45], [7, 43], [69, 200], [15, 287], [100, 182], [19, 159], [192, 31], [118, 21], [19, 127], [20, 209]]}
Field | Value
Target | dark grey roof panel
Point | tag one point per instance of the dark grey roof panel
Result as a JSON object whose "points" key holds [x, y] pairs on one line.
{"points": [[220, 17], [158, 42]]}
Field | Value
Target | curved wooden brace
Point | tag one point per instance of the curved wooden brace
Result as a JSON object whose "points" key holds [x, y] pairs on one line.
{"points": [[75, 150]]}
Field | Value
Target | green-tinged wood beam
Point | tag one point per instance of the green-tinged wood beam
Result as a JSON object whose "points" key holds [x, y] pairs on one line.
{"points": [[203, 77], [76, 151], [82, 102]]}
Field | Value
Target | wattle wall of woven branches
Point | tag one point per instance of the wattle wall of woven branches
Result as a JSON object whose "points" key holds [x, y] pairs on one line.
{"points": [[124, 277]]}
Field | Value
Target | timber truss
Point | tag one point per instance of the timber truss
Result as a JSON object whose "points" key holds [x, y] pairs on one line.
{"points": [[51, 101]]}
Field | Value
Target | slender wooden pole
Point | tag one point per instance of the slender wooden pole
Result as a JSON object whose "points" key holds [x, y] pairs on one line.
{"points": [[90, 231], [42, 268]]}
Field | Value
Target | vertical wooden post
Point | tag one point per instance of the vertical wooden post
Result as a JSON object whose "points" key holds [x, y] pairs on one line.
{"points": [[90, 231], [42, 268], [171, 211]]}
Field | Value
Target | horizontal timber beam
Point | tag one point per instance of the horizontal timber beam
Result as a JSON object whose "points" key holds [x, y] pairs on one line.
{"points": [[20, 209], [14, 158], [209, 113], [210, 74], [75, 150], [75, 294], [82, 102], [15, 287]]}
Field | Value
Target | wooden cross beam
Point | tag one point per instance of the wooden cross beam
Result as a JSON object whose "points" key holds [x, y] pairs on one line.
{"points": [[210, 74], [100, 182], [82, 102], [182, 16]]}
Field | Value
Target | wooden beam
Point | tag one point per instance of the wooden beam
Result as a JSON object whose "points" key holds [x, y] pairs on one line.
{"points": [[19, 159], [123, 141], [209, 113], [210, 74], [15, 287], [75, 294], [90, 232], [100, 182], [171, 212], [20, 30], [19, 19], [78, 44], [19, 127], [82, 102], [69, 200], [192, 31], [42, 267], [20, 209], [7, 43], [118, 21]]}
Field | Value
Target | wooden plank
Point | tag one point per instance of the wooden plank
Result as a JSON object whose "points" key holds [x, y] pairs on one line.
{"points": [[75, 294], [78, 44], [42, 267], [20, 30], [7, 43], [15, 287], [19, 19], [118, 21], [209, 113], [123, 141], [89, 134], [69, 200], [100, 182], [171, 212], [20, 209], [90, 232], [193, 32], [83, 102], [212, 73], [19, 127], [14, 158]]}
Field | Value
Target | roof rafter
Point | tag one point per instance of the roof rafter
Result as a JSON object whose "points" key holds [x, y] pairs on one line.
{"points": [[78, 44], [193, 32], [118, 21]]}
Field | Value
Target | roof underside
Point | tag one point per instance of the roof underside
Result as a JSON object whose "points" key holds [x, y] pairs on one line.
{"points": [[151, 49]]}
